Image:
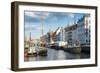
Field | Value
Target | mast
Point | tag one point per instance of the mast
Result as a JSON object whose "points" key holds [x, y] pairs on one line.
{"points": [[42, 31], [30, 36], [30, 40]]}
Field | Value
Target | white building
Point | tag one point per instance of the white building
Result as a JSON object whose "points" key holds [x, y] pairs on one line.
{"points": [[60, 37], [71, 35], [79, 34], [83, 29]]}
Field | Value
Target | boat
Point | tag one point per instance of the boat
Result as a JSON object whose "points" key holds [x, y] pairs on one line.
{"points": [[32, 50], [42, 51]]}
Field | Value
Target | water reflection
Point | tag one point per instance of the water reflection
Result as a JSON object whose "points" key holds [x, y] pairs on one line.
{"points": [[53, 54]]}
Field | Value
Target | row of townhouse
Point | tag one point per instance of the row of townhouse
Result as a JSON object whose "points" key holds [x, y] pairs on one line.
{"points": [[79, 33], [72, 35]]}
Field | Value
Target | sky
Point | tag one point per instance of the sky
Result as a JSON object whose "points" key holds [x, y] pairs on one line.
{"points": [[33, 21]]}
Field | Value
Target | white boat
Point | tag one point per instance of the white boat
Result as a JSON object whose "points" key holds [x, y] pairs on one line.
{"points": [[32, 50]]}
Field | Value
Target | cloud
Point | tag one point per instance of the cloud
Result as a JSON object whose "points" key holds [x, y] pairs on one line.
{"points": [[37, 14], [42, 15], [37, 17], [58, 16], [32, 27]]}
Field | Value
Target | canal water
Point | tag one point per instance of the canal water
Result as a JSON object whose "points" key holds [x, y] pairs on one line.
{"points": [[53, 54]]}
